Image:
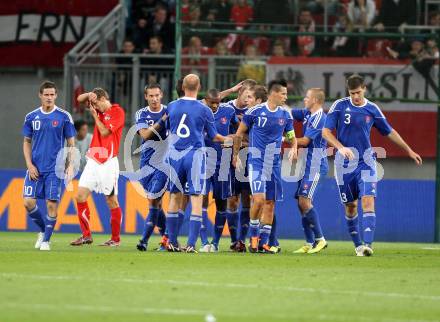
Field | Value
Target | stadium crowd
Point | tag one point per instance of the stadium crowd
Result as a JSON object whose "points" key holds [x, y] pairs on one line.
{"points": [[152, 25]]}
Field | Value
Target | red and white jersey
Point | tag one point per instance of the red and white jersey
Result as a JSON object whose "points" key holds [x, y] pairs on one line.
{"points": [[105, 148]]}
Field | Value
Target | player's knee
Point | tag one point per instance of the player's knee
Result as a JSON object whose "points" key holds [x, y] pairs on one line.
{"points": [[155, 203], [205, 203], [258, 201], [245, 200], [233, 203], [368, 204], [112, 202], [304, 204], [351, 209], [29, 204]]}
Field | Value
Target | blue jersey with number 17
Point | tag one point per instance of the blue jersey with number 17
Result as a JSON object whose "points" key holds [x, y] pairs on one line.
{"points": [[48, 132], [266, 128], [188, 119], [353, 124]]}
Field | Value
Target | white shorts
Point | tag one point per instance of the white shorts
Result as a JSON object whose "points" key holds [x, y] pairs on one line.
{"points": [[101, 177]]}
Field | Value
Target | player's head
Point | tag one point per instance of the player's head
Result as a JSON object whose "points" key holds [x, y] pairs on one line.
{"points": [[258, 95], [81, 128], [277, 92], [356, 89], [244, 93], [102, 99], [213, 99], [48, 94], [179, 87], [153, 95], [191, 85], [314, 98]]}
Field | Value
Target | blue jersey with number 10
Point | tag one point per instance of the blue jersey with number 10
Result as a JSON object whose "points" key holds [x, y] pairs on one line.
{"points": [[353, 124], [48, 132], [188, 119]]}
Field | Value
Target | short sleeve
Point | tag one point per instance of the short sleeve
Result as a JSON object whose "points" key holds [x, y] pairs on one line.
{"points": [[380, 122], [210, 129], [69, 128], [116, 121], [289, 122], [234, 118], [249, 118], [332, 117], [27, 128], [140, 121], [314, 128], [298, 114]]}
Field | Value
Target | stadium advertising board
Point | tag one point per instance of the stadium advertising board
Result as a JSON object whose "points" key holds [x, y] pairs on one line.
{"points": [[406, 208], [47, 29]]}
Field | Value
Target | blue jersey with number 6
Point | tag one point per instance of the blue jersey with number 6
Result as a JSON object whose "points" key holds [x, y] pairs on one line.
{"points": [[188, 119]]}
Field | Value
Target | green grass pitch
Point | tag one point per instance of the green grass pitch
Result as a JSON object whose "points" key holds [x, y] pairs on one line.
{"points": [[401, 282]]}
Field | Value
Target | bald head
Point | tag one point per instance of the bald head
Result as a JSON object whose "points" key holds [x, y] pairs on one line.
{"points": [[191, 83]]}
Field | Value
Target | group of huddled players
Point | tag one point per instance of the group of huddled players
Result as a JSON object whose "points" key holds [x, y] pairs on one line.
{"points": [[192, 147]]}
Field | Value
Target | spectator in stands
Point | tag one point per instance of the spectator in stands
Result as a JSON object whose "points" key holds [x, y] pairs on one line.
{"points": [[306, 45], [394, 14], [343, 46], [317, 6], [278, 49], [252, 67], [140, 34], [197, 63], [221, 10], [160, 26], [195, 21], [361, 13], [434, 19], [124, 67], [82, 141], [241, 14], [143, 8], [185, 10], [222, 50]]}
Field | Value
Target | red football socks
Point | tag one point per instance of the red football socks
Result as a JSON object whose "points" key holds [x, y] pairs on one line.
{"points": [[115, 221], [84, 218]]}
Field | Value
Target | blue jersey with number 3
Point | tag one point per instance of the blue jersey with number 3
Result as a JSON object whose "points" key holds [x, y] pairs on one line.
{"points": [[266, 128], [188, 120], [353, 124], [48, 132]]}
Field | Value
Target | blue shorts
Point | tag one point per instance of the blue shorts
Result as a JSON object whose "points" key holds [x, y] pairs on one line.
{"points": [[47, 187], [358, 183], [271, 186], [155, 184], [307, 186], [187, 172], [221, 189]]}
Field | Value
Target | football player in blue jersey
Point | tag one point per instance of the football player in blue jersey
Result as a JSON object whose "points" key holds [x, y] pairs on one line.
{"points": [[220, 167], [267, 123], [355, 163], [314, 162], [188, 120], [153, 156], [45, 131], [240, 189]]}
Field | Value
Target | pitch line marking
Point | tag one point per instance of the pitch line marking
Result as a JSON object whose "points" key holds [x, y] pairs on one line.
{"points": [[230, 285]]}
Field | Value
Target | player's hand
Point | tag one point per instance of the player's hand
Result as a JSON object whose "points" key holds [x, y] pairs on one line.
{"points": [[236, 163], [417, 158], [228, 142], [346, 153], [237, 87], [33, 172], [293, 154], [69, 172], [93, 112], [92, 97]]}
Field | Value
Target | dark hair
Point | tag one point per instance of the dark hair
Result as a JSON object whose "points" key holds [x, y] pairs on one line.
{"points": [[179, 87], [276, 85], [47, 84], [355, 81], [152, 86], [260, 92], [79, 124], [213, 93], [159, 38], [100, 92]]}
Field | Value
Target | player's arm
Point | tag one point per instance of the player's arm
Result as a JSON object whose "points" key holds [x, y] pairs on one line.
{"points": [[70, 143], [231, 90], [148, 133], [86, 97], [395, 137], [103, 130], [333, 141], [27, 152], [303, 142], [237, 142]]}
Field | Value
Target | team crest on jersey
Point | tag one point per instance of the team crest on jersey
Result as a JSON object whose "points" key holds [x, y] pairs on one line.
{"points": [[55, 123], [107, 117], [223, 120], [306, 185], [367, 119], [281, 121]]}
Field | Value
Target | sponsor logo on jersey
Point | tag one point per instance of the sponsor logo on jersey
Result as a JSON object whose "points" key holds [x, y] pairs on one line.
{"points": [[224, 120]]}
